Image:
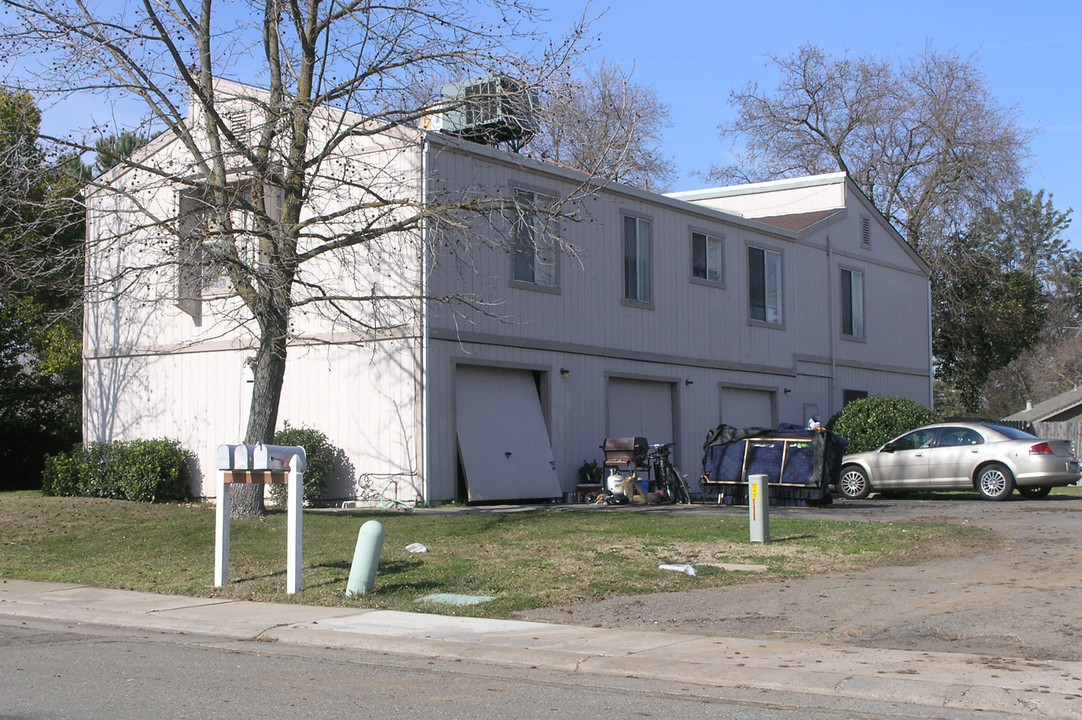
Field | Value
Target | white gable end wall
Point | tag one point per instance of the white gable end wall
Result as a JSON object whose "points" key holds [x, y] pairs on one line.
{"points": [[776, 197], [153, 370]]}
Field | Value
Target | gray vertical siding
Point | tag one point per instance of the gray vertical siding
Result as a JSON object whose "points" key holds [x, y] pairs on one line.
{"points": [[692, 331]]}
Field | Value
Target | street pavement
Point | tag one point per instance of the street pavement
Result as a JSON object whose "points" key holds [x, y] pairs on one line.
{"points": [[958, 681]]}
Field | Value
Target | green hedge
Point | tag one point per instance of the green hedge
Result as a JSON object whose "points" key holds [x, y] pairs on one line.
{"points": [[322, 458], [869, 422], [140, 470]]}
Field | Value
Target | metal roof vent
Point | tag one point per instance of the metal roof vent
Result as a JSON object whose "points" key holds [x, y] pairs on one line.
{"points": [[490, 110]]}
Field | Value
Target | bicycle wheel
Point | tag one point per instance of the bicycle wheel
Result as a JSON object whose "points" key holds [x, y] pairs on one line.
{"points": [[680, 492]]}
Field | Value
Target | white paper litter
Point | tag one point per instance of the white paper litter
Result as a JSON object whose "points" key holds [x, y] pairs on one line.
{"points": [[686, 569], [416, 548]]}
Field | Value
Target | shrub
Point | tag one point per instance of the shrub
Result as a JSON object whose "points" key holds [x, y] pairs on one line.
{"points": [[590, 473], [149, 470], [322, 459], [869, 422], [63, 474], [140, 470]]}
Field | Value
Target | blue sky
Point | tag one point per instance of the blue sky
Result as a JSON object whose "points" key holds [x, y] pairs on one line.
{"points": [[695, 52]]}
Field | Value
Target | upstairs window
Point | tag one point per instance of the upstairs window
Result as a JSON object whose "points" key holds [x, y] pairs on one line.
{"points": [[764, 285], [208, 244], [637, 263], [852, 287], [706, 255], [536, 233]]}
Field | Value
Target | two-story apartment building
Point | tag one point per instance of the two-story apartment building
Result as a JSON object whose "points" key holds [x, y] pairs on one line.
{"points": [[627, 313]]}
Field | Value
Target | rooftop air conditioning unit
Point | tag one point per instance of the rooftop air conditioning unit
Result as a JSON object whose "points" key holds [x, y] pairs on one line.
{"points": [[489, 110]]}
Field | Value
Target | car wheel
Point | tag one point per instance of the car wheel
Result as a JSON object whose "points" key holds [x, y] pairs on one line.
{"points": [[995, 482], [1034, 493], [853, 483]]}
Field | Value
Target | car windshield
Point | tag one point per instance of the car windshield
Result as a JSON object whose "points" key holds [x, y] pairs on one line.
{"points": [[1012, 433]]}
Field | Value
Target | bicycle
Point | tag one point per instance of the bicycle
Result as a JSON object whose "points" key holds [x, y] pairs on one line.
{"points": [[667, 477], [668, 482]]}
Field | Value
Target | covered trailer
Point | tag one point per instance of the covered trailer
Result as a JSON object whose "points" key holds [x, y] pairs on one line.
{"points": [[800, 464]]}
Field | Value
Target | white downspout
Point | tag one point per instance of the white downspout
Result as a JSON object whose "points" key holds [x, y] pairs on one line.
{"points": [[425, 477], [830, 331], [931, 353]]}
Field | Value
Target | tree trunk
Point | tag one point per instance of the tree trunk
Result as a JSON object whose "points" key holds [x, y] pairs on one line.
{"points": [[269, 371]]}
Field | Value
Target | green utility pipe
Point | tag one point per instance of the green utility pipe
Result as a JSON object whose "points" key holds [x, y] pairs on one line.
{"points": [[362, 574]]}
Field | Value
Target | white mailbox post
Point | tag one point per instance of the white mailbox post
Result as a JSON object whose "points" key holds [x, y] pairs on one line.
{"points": [[261, 465]]}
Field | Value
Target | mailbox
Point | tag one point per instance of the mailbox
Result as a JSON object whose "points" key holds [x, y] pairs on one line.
{"points": [[242, 457], [260, 464], [261, 457], [224, 456], [278, 457]]}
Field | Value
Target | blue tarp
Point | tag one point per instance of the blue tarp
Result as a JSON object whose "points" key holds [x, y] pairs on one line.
{"points": [[812, 462]]}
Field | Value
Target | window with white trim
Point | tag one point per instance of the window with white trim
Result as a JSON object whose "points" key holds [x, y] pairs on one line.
{"points": [[765, 285], [706, 257], [536, 233], [637, 261], [208, 244], [852, 288]]}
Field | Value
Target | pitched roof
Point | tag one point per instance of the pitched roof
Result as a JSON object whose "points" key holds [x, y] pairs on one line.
{"points": [[1050, 408]]}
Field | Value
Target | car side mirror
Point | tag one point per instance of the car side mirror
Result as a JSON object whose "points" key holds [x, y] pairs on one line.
{"points": [[889, 447]]}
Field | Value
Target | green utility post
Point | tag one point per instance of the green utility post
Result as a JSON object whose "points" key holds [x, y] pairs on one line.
{"points": [[362, 574]]}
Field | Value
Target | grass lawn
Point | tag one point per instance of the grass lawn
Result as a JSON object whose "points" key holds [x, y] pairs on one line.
{"points": [[525, 559]]}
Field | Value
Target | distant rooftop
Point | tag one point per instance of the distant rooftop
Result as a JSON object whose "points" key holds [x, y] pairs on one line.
{"points": [[792, 204], [806, 181], [1062, 406]]}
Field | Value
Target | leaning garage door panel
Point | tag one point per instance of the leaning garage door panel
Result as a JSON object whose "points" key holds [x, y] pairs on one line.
{"points": [[502, 438]]}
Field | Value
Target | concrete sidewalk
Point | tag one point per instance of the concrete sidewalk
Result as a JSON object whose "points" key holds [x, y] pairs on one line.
{"points": [[949, 680]]}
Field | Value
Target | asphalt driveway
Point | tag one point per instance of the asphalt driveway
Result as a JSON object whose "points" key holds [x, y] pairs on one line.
{"points": [[1020, 598]]}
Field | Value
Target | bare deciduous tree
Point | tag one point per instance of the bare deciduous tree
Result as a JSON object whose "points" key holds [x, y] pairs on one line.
{"points": [[336, 72], [607, 125], [926, 141]]}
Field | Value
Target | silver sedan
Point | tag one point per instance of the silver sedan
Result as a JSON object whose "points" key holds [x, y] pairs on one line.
{"points": [[993, 459]]}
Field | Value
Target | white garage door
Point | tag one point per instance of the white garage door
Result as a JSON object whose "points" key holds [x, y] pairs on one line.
{"points": [[502, 438], [640, 408], [741, 407]]}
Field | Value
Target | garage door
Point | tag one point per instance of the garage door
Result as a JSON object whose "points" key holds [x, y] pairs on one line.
{"points": [[742, 407], [502, 439], [640, 408]]}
